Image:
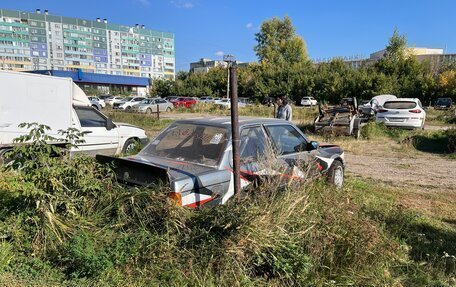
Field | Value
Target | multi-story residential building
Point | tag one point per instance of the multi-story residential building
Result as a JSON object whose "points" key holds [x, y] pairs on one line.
{"points": [[40, 41]]}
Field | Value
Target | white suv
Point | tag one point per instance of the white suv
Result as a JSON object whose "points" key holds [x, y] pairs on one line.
{"points": [[308, 101], [402, 112]]}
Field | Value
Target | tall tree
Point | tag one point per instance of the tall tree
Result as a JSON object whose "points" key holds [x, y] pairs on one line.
{"points": [[278, 43]]}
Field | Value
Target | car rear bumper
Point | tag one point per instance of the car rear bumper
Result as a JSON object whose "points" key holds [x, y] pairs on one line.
{"points": [[401, 122]]}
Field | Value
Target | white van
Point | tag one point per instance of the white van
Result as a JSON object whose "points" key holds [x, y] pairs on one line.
{"points": [[60, 104]]}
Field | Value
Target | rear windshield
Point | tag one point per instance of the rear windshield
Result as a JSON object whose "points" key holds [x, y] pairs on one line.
{"points": [[400, 105], [444, 101], [191, 143]]}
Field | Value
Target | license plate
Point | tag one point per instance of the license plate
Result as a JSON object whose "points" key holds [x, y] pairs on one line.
{"points": [[396, 119]]}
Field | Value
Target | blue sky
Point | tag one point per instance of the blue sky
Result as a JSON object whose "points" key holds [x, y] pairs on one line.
{"points": [[210, 28]]}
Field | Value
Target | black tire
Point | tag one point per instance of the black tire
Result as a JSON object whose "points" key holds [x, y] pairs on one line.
{"points": [[336, 174], [168, 109], [148, 111], [95, 107], [129, 146], [128, 108], [357, 128]]}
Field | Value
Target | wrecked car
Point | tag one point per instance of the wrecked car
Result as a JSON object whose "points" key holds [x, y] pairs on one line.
{"points": [[370, 108], [194, 157], [343, 119]]}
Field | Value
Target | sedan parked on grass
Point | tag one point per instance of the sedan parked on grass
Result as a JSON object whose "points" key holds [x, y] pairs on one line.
{"points": [[182, 102], [127, 103], [98, 100], [112, 100], [403, 112], [308, 101], [194, 157], [206, 100], [443, 103], [149, 106], [226, 103]]}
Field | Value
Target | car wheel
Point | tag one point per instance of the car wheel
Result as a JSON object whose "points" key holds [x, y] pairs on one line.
{"points": [[357, 128], [168, 109], [129, 146], [336, 174], [128, 108], [95, 107], [148, 111]]}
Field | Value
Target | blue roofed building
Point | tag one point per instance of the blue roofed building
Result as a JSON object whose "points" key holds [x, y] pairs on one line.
{"points": [[103, 83]]}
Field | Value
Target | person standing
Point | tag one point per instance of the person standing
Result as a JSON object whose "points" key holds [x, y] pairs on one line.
{"points": [[284, 109]]}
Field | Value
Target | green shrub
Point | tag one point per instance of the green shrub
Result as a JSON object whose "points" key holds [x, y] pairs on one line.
{"points": [[83, 258]]}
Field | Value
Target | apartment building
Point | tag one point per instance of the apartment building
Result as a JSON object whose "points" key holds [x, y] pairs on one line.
{"points": [[40, 41]]}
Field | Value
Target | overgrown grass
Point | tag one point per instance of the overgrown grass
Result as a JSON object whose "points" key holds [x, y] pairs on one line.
{"points": [[68, 223], [441, 117], [437, 142]]}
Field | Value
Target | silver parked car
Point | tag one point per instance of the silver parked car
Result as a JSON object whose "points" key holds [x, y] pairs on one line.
{"points": [[194, 158], [149, 106]]}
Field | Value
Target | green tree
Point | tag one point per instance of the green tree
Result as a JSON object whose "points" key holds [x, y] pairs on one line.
{"points": [[162, 88], [278, 43]]}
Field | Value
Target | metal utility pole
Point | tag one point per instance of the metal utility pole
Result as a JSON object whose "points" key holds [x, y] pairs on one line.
{"points": [[235, 138], [228, 82]]}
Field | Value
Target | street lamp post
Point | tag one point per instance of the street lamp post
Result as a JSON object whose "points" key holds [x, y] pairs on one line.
{"points": [[232, 80]]}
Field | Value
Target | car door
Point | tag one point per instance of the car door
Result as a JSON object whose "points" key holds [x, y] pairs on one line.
{"points": [[292, 151], [257, 158], [161, 105], [98, 139]]}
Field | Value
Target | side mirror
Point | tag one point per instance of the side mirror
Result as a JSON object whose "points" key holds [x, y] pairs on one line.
{"points": [[109, 124], [313, 145]]}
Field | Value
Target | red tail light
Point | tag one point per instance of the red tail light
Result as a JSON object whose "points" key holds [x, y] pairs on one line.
{"points": [[415, 111], [381, 111]]}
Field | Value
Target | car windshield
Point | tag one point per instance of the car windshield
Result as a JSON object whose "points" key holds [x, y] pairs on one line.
{"points": [[193, 143], [127, 99], [444, 101], [400, 105]]}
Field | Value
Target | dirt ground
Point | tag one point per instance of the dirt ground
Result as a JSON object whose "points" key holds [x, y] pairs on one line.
{"points": [[421, 170], [423, 181]]}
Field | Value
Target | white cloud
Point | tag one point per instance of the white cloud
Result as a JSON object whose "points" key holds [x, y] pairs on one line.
{"points": [[144, 2], [249, 26], [219, 53], [182, 4]]}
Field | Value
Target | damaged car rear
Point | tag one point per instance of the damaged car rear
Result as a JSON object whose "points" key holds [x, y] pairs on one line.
{"points": [[194, 157]]}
